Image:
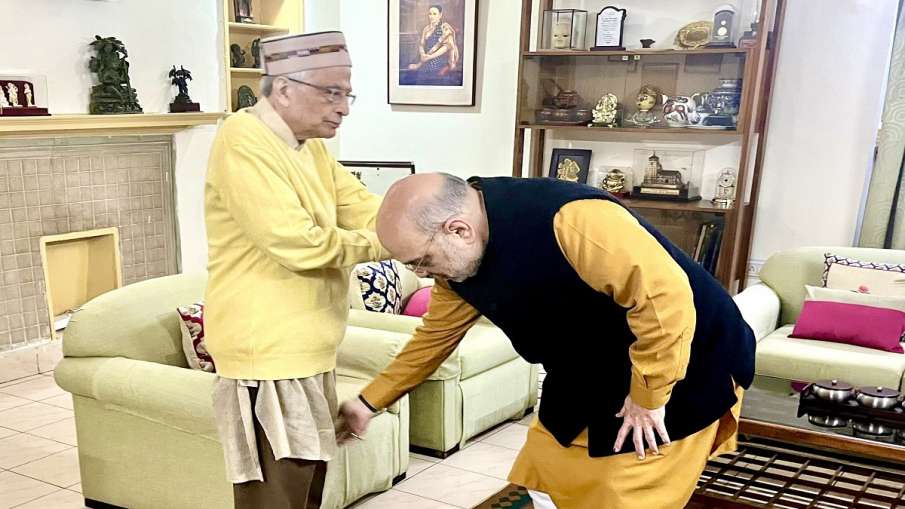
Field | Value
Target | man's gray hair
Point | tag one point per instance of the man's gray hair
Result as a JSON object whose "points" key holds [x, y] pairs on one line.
{"points": [[267, 81], [447, 203]]}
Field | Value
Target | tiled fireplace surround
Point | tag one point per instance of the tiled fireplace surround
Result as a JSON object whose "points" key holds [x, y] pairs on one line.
{"points": [[68, 184]]}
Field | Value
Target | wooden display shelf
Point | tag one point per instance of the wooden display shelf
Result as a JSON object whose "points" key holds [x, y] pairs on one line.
{"points": [[642, 52], [256, 28], [635, 130], [690, 206], [254, 71], [141, 123]]}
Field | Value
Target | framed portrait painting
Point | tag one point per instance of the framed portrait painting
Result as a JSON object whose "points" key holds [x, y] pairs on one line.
{"points": [[432, 52], [570, 165]]}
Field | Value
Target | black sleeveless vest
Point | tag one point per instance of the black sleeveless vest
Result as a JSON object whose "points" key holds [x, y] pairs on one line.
{"points": [[526, 287]]}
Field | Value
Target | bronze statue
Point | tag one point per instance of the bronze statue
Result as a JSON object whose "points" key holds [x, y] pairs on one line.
{"points": [[114, 94], [256, 52], [246, 97], [236, 55], [182, 103]]}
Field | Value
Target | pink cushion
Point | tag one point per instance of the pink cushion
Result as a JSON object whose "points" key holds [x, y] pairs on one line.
{"points": [[852, 324], [192, 325], [417, 304]]}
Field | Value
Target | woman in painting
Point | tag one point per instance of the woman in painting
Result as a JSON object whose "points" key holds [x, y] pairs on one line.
{"points": [[439, 54]]}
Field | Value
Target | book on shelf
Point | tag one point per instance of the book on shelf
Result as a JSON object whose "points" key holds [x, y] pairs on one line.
{"points": [[707, 250]]}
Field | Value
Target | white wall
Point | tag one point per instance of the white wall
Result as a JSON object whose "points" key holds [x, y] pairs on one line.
{"points": [[461, 140], [51, 37], [824, 118]]}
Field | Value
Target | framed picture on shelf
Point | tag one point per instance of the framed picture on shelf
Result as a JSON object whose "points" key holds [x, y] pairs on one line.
{"points": [[570, 164], [432, 52]]}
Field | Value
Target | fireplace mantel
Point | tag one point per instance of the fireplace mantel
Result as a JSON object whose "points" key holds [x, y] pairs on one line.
{"points": [[144, 123]]}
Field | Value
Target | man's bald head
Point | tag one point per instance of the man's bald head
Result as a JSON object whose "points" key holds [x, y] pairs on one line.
{"points": [[433, 208]]}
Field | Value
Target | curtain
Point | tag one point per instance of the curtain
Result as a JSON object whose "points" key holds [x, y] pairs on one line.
{"points": [[883, 225]]}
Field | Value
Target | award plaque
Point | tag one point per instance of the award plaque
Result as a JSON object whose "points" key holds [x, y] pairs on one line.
{"points": [[722, 34], [610, 24]]}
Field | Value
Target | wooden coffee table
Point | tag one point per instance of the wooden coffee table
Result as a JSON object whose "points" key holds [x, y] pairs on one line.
{"points": [[785, 461]]}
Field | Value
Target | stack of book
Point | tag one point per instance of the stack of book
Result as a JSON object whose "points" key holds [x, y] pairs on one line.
{"points": [[707, 249]]}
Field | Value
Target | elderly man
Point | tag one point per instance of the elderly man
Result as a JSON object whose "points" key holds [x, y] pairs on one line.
{"points": [[643, 348], [285, 224]]}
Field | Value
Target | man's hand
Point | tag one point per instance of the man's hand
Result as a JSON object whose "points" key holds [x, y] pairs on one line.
{"points": [[354, 417], [642, 422]]}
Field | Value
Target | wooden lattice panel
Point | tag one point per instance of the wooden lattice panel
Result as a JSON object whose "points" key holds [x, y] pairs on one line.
{"points": [[763, 475]]}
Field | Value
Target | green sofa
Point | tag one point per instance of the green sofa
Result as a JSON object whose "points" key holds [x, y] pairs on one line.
{"points": [[146, 432], [482, 384], [771, 309]]}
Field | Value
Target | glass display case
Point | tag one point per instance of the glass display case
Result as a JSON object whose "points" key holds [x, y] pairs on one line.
{"points": [[23, 95]]}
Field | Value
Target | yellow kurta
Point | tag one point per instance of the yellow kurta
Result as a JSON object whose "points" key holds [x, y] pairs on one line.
{"points": [[615, 255]]}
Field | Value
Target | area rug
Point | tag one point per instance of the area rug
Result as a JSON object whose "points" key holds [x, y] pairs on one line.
{"points": [[510, 497]]}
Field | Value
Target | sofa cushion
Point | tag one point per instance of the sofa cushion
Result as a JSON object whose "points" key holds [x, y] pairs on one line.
{"points": [[853, 324], [193, 346], [483, 348], [418, 302], [780, 356], [379, 286], [875, 278], [850, 297]]}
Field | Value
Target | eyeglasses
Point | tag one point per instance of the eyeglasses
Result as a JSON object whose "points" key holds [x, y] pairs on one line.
{"points": [[334, 95], [416, 268]]}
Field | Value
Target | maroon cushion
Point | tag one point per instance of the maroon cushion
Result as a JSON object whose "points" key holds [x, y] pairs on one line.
{"points": [[852, 324]]}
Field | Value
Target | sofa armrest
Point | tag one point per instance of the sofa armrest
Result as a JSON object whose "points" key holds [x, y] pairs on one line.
{"points": [[177, 397], [760, 306]]}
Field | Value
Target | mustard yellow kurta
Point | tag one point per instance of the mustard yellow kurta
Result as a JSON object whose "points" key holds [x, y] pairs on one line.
{"points": [[615, 255]]}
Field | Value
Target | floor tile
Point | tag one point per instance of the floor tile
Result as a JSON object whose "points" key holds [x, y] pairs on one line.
{"points": [[394, 499], [452, 486], [7, 401], [77, 487], [512, 437], [484, 458], [60, 469], [49, 356], [63, 431], [23, 448], [62, 401], [6, 432], [528, 419], [32, 415], [62, 499], [42, 387], [17, 489], [422, 457], [18, 364], [19, 380], [417, 465]]}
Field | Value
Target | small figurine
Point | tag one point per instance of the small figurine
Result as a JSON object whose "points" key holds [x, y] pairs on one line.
{"points": [[13, 92], [648, 97], [256, 52], [3, 102], [182, 103], [236, 56], [114, 93], [614, 183], [28, 99], [647, 43], [247, 97], [605, 112]]}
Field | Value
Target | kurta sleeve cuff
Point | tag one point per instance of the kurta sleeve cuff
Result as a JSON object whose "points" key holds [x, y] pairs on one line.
{"points": [[649, 398]]}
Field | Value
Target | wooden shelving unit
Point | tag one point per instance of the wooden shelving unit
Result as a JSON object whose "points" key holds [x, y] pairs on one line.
{"points": [[271, 18], [681, 72]]}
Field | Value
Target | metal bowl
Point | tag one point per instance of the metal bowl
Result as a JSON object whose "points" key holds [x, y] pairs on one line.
{"points": [[832, 390], [827, 421], [871, 428], [877, 397]]}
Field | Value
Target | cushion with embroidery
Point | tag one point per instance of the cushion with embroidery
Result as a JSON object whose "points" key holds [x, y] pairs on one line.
{"points": [[192, 324], [379, 285]]}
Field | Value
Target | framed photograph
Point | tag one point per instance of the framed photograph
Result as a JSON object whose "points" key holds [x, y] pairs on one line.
{"points": [[432, 52], [378, 176], [570, 164]]}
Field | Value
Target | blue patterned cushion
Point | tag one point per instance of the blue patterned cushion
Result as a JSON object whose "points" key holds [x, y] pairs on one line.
{"points": [[379, 284]]}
